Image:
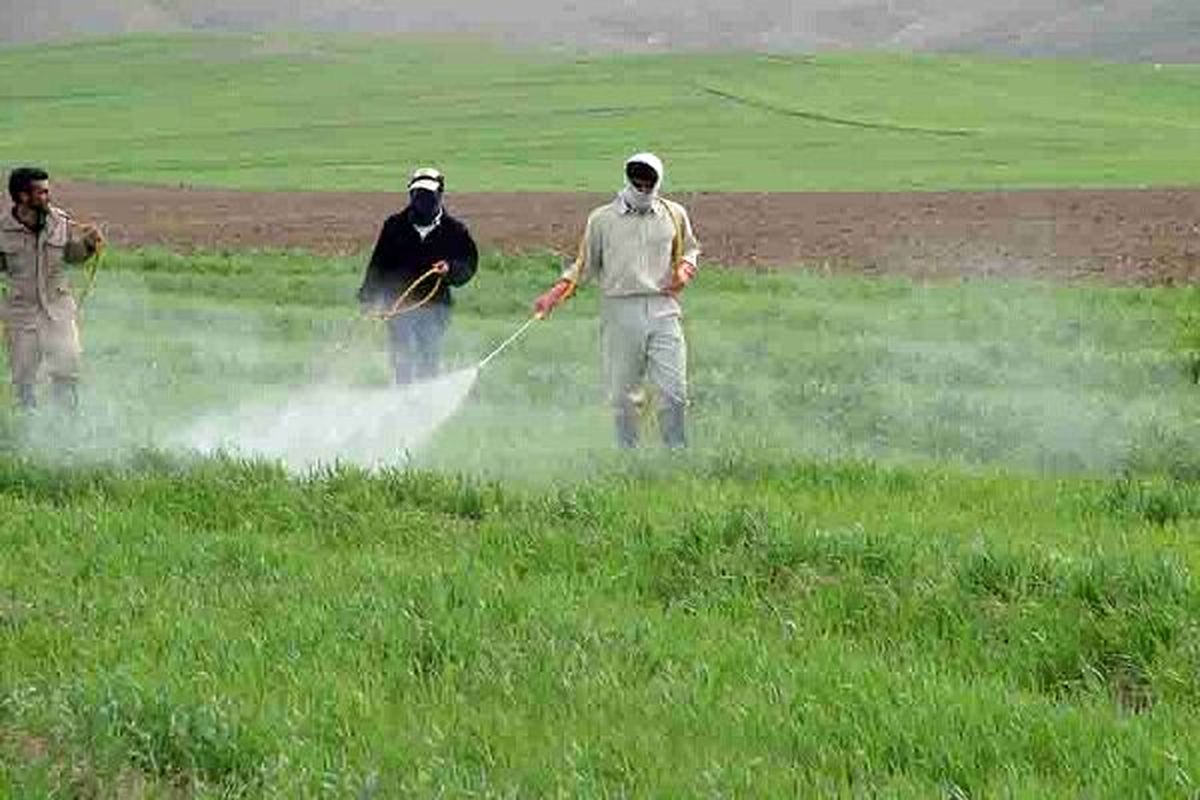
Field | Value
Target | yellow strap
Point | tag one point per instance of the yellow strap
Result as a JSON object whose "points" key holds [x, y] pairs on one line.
{"points": [[677, 242]]}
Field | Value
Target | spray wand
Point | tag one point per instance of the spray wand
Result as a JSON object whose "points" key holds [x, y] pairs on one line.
{"points": [[516, 335]]}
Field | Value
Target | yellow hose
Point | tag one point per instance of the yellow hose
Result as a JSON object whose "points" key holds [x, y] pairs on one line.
{"points": [[398, 307], [93, 267]]}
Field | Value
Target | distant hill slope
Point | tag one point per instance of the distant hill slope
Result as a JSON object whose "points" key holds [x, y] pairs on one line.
{"points": [[1131, 30], [301, 112]]}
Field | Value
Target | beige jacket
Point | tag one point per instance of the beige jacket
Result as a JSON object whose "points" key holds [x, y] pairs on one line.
{"points": [[632, 254], [34, 267]]}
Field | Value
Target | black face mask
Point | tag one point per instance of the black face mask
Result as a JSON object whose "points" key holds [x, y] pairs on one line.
{"points": [[425, 205]]}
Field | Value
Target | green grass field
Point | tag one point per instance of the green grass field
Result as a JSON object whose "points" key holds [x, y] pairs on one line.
{"points": [[931, 541], [348, 113]]}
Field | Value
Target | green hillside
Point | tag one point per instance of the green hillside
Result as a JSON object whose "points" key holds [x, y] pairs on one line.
{"points": [[287, 112]]}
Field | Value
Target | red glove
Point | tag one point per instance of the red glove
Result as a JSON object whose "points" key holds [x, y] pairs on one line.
{"points": [[684, 273], [553, 298]]}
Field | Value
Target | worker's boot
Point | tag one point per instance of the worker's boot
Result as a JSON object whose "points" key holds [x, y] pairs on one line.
{"points": [[26, 396], [671, 422], [627, 425], [66, 394]]}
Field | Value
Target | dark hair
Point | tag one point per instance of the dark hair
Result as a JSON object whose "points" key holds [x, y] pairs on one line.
{"points": [[22, 179]]}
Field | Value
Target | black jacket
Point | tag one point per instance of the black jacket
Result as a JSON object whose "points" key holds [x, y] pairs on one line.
{"points": [[400, 257]]}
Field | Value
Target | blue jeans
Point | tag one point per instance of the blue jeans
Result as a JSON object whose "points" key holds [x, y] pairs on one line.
{"points": [[415, 342]]}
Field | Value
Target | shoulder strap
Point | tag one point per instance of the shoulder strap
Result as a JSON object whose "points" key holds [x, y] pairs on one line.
{"points": [[677, 242]]}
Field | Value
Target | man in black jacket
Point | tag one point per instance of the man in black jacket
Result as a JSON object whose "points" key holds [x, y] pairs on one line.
{"points": [[420, 238]]}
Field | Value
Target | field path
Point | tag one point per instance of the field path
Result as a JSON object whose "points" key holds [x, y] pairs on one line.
{"points": [[1148, 237]]}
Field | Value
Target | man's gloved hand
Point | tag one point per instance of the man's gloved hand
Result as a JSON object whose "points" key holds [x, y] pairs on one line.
{"points": [[684, 273], [441, 268], [548, 301]]}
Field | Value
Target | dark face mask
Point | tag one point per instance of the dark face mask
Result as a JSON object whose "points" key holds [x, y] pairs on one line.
{"points": [[425, 206]]}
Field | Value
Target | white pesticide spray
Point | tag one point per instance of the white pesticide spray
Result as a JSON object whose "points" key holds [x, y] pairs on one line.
{"points": [[325, 425]]}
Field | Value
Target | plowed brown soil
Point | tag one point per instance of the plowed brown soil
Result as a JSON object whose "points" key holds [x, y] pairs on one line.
{"points": [[1149, 237]]}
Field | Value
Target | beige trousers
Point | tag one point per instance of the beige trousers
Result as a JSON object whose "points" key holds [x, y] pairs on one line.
{"points": [[36, 340], [642, 341]]}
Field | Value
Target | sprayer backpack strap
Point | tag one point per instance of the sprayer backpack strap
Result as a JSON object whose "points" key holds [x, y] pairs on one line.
{"points": [[677, 242]]}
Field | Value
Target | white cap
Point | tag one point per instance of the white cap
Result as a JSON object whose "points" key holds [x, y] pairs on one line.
{"points": [[425, 183], [427, 178]]}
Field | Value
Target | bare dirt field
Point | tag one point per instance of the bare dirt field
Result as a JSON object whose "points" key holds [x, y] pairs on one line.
{"points": [[1146, 237]]}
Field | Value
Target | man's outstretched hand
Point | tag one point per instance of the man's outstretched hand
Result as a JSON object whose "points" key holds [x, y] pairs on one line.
{"points": [[551, 299]]}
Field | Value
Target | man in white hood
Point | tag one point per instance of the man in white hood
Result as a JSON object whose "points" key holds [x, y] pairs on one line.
{"points": [[642, 252]]}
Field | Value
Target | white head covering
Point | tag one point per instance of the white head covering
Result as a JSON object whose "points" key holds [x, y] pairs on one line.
{"points": [[643, 201], [650, 160]]}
